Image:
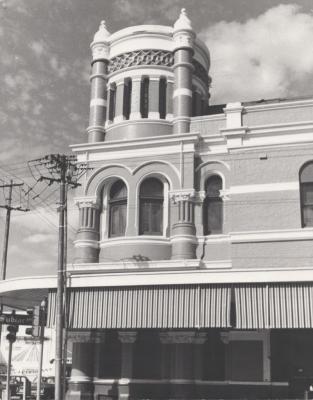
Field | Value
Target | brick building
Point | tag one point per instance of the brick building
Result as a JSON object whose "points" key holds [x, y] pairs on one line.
{"points": [[193, 270]]}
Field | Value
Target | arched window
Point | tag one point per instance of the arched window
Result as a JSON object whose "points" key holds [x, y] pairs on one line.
{"points": [[118, 209], [112, 98], [213, 206], [151, 200], [306, 194], [162, 98], [144, 98], [127, 98]]}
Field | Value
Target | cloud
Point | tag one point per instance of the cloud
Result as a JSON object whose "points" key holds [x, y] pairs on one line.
{"points": [[40, 238], [269, 56]]}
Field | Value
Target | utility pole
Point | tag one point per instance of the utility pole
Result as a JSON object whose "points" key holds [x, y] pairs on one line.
{"points": [[8, 206], [63, 170]]}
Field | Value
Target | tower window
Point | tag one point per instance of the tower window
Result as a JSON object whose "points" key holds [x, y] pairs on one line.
{"points": [[213, 206], [306, 195], [162, 98], [118, 209], [127, 98], [144, 98], [151, 207], [112, 98]]}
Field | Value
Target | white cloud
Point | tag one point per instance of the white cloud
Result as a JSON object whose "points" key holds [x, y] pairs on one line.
{"points": [[41, 238], [263, 57]]}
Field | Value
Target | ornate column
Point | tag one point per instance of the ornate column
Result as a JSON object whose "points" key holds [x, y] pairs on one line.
{"points": [[98, 79], [127, 339], [119, 101], [135, 99], [154, 93], [81, 380], [183, 237], [87, 237], [183, 51]]}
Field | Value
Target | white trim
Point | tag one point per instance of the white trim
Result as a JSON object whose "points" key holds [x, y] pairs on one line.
{"points": [[182, 92], [272, 235], [263, 187], [86, 243], [89, 278], [136, 240], [184, 239], [279, 106]]}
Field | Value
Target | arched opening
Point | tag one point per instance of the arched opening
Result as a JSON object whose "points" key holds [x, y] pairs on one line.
{"points": [[306, 194], [118, 209], [151, 199], [213, 206], [112, 101]]}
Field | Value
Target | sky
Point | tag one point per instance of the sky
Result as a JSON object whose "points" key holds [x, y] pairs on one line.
{"points": [[260, 49]]}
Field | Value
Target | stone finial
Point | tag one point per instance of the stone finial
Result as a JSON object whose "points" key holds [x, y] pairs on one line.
{"points": [[183, 22], [102, 34]]}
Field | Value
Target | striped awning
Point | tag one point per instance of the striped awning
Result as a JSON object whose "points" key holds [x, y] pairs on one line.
{"points": [[170, 306], [270, 306]]}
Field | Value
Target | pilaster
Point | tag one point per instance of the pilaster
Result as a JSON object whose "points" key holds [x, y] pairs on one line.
{"points": [[135, 99], [81, 380], [127, 339], [119, 101], [154, 95], [183, 231], [87, 237]]}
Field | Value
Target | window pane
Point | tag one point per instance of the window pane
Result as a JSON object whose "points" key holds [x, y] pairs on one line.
{"points": [[118, 219], [118, 191], [151, 217], [307, 215], [307, 193], [213, 216], [213, 186], [151, 187]]}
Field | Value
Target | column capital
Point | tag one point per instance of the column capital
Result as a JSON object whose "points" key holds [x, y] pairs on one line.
{"points": [[127, 336], [179, 337], [86, 336], [182, 195], [87, 201]]}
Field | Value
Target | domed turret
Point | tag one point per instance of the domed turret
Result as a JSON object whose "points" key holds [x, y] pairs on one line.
{"points": [[157, 78]]}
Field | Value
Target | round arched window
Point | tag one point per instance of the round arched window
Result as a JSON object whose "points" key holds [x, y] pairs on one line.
{"points": [[151, 207], [213, 206], [306, 194], [118, 209]]}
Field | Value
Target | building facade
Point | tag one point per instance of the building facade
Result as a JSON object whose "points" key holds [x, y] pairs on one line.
{"points": [[193, 270]]}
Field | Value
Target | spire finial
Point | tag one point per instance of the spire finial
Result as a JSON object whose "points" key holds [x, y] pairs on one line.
{"points": [[183, 21], [102, 33]]}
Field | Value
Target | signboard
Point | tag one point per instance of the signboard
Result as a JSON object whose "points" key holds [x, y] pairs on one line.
{"points": [[16, 319]]}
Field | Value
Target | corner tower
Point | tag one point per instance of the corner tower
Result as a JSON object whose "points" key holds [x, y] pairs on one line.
{"points": [[147, 80]]}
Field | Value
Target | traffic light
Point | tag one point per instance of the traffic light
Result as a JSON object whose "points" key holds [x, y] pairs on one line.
{"points": [[38, 314], [35, 329], [11, 336]]}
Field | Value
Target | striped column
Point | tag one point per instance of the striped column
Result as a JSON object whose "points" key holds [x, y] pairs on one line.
{"points": [[87, 237], [183, 52], [119, 101], [135, 99], [154, 97], [183, 237], [98, 79]]}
